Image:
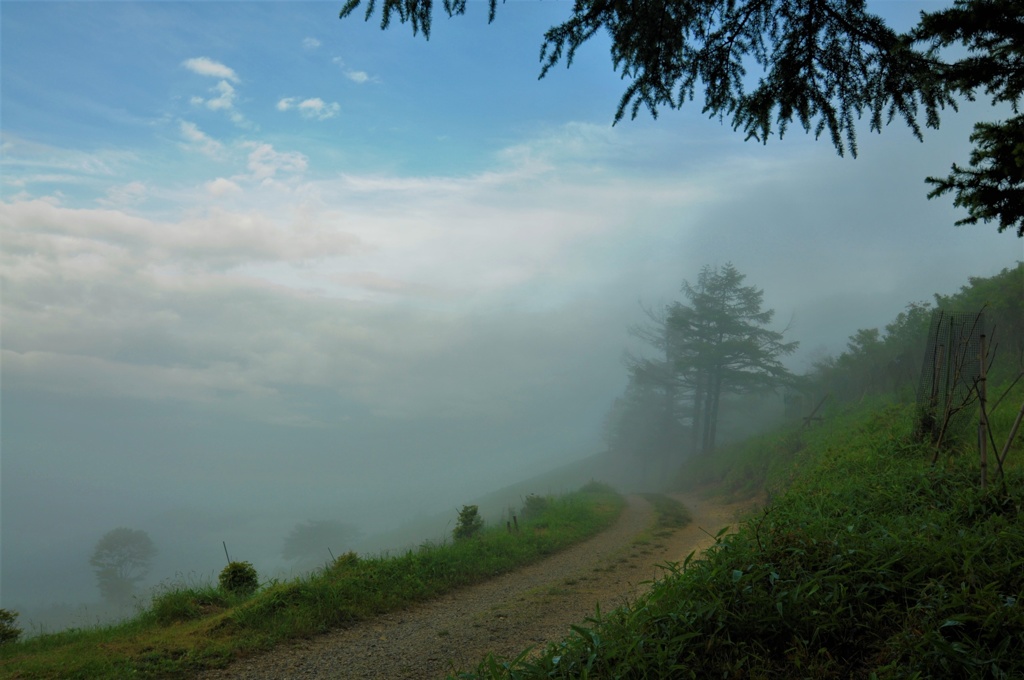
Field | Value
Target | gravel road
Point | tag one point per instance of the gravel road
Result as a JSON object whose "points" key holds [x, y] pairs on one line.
{"points": [[505, 615]]}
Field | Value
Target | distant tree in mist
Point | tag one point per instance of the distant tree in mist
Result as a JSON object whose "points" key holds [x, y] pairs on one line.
{"points": [[310, 543], [723, 346], [121, 559], [716, 343]]}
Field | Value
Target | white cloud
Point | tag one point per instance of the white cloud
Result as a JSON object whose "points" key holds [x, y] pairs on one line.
{"points": [[317, 108], [310, 43], [265, 162], [47, 178], [113, 242], [313, 108], [417, 295], [180, 310], [141, 328], [354, 75], [222, 187], [225, 98], [205, 66], [197, 140], [27, 162], [129, 194]]}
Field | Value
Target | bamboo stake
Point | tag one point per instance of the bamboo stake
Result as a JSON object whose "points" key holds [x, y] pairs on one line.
{"points": [[983, 417], [808, 419], [1013, 432]]}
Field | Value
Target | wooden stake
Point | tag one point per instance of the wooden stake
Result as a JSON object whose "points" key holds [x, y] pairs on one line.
{"points": [[1013, 433], [982, 417], [808, 419]]}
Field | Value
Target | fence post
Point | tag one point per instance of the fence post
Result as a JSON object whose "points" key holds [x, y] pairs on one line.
{"points": [[982, 417]]}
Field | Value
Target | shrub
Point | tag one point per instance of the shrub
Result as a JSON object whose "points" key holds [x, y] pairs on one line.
{"points": [[346, 560], [9, 630], [342, 564], [533, 507], [470, 522], [239, 578]]}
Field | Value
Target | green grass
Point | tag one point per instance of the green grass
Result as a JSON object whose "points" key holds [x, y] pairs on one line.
{"points": [[190, 628], [869, 563]]}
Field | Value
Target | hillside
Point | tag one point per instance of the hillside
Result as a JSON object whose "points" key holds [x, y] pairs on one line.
{"points": [[870, 562]]}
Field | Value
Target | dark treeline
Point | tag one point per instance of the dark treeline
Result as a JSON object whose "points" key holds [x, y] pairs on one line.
{"points": [[716, 366], [887, 361]]}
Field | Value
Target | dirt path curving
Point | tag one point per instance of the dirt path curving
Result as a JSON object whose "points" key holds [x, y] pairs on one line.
{"points": [[505, 615]]}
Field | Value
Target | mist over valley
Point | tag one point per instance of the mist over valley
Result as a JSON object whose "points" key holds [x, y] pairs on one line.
{"points": [[263, 268]]}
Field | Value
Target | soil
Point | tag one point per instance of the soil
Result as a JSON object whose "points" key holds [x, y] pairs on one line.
{"points": [[526, 608]]}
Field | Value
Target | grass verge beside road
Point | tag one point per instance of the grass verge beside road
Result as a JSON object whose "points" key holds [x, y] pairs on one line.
{"points": [[869, 563], [187, 629]]}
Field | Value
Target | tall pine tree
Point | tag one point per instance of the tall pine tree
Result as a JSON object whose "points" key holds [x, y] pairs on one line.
{"points": [[724, 346], [715, 344]]}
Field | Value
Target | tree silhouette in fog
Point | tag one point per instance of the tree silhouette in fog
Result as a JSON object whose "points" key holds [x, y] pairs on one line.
{"points": [[714, 344], [121, 559]]}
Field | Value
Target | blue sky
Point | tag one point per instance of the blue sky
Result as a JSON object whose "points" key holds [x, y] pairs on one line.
{"points": [[253, 252]]}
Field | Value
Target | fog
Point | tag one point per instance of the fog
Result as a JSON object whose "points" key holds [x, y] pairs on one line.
{"points": [[273, 268]]}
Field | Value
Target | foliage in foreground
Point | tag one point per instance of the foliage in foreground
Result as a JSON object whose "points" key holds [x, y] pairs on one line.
{"points": [[871, 565], [770, 65], [190, 628]]}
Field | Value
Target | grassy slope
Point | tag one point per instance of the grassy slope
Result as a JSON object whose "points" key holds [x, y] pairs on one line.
{"points": [[187, 629], [869, 563]]}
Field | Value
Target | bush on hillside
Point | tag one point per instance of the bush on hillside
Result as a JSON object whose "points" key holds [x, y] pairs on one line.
{"points": [[533, 507], [470, 523], [239, 578], [9, 630]]}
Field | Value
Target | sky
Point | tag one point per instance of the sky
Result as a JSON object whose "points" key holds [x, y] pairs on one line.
{"points": [[262, 266]]}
